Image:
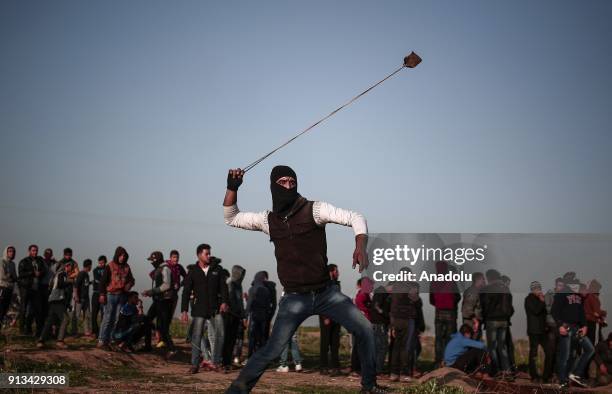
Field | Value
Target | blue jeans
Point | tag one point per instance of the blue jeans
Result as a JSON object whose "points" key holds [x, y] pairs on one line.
{"points": [[496, 344], [293, 309], [295, 351], [214, 328], [566, 357], [114, 302]]}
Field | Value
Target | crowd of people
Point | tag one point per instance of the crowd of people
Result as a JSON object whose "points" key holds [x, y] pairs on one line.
{"points": [[54, 296], [386, 322]]}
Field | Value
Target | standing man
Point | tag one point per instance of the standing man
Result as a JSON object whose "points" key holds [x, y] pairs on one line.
{"points": [[272, 307], [115, 284], [535, 308], [330, 334], [8, 278], [31, 269], [568, 311], [296, 226], [178, 275], [235, 317], [445, 297], [496, 302], [50, 266], [96, 307], [470, 307], [210, 300], [82, 303], [73, 272], [162, 292]]}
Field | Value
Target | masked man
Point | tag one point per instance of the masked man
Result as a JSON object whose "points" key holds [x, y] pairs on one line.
{"points": [[296, 226]]}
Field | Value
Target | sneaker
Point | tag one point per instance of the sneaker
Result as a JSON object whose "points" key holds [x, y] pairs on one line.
{"points": [[236, 361], [394, 378], [103, 346], [374, 390], [194, 369], [335, 372], [407, 378], [160, 344], [282, 368], [298, 368], [170, 354], [61, 345], [324, 371], [40, 345], [578, 380]]}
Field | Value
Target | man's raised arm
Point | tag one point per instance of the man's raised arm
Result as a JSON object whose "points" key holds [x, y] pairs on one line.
{"points": [[232, 215]]}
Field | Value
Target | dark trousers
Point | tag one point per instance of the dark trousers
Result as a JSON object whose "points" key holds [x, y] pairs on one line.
{"points": [[471, 361], [43, 292], [57, 310], [163, 317], [550, 352], [231, 325], [510, 345], [257, 340], [5, 302], [592, 332], [139, 329], [405, 337], [355, 360], [329, 344], [96, 309], [444, 330], [534, 342]]}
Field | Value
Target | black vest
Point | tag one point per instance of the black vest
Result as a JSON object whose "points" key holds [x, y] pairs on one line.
{"points": [[300, 247]]}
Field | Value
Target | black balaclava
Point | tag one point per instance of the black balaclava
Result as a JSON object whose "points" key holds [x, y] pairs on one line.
{"points": [[282, 198]]}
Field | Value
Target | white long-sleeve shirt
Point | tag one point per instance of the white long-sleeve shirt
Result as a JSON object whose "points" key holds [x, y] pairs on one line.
{"points": [[322, 213]]}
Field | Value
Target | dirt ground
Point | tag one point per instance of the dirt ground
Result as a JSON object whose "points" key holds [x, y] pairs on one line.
{"points": [[94, 370]]}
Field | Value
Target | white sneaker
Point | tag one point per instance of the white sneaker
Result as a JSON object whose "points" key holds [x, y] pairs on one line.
{"points": [[282, 368], [236, 361], [577, 379], [298, 368]]}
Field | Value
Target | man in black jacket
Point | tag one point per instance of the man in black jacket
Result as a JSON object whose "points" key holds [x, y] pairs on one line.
{"points": [[210, 300], [535, 308], [31, 271], [568, 312], [496, 304], [96, 307], [236, 315]]}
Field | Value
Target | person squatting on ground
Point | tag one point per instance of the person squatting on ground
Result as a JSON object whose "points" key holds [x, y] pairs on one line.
{"points": [[210, 301], [445, 297], [296, 227], [329, 338], [603, 360], [8, 279], [568, 312], [465, 353], [116, 282], [132, 325]]}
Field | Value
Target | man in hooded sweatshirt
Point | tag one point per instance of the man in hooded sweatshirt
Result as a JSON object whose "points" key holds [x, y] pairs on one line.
{"points": [[235, 316], [8, 278], [115, 283], [296, 226]]}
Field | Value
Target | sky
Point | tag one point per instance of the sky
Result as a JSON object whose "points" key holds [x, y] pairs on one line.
{"points": [[119, 120]]}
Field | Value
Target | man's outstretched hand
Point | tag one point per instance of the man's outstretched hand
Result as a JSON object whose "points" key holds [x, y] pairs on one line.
{"points": [[234, 179], [359, 255]]}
